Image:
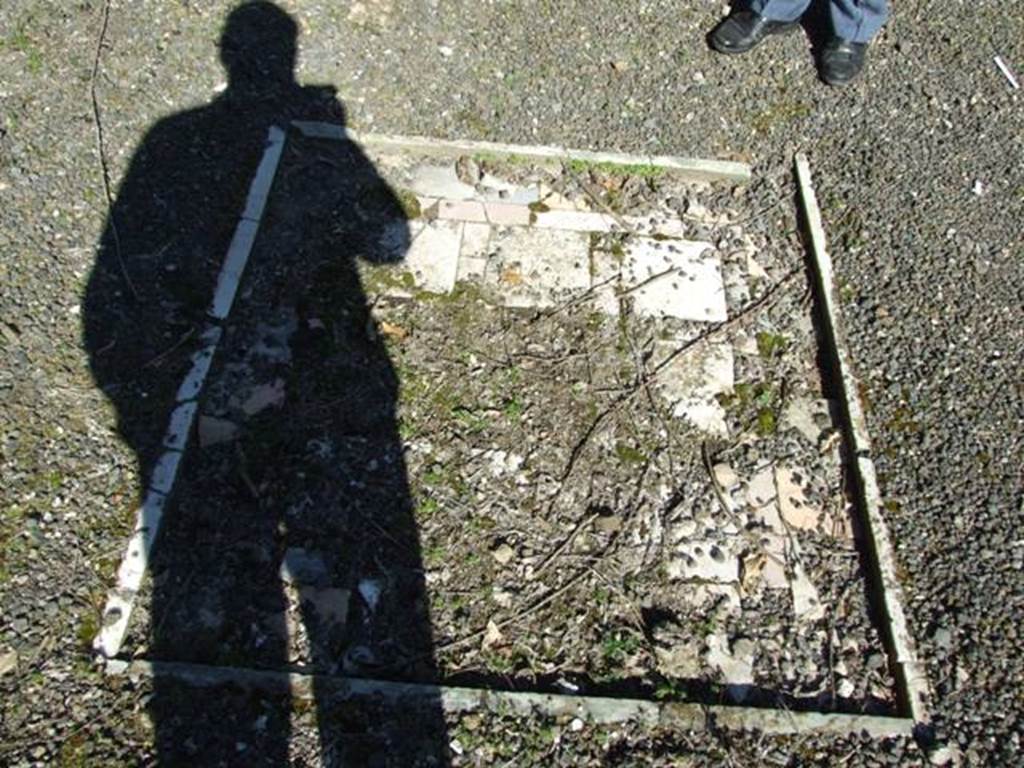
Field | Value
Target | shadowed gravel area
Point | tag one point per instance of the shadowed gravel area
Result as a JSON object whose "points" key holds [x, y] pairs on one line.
{"points": [[918, 168]]}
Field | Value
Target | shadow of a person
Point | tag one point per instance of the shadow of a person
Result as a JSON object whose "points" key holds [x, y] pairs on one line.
{"points": [[290, 541]]}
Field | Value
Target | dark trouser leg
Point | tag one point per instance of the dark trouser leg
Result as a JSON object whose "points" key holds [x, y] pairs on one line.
{"points": [[857, 21]]}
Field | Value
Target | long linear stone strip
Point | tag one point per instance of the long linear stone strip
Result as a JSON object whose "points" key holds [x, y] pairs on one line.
{"points": [[121, 598], [705, 170], [910, 672], [596, 709]]}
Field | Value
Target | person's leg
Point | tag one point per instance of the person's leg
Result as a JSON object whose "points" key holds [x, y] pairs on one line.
{"points": [[857, 21], [779, 10], [854, 24], [747, 25]]}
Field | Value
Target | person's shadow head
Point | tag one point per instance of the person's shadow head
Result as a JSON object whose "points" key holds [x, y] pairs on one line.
{"points": [[258, 47]]}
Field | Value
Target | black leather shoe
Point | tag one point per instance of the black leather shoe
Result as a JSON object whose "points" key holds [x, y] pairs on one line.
{"points": [[742, 30], [842, 61]]}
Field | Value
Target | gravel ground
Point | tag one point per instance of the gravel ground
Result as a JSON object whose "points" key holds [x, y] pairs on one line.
{"points": [[918, 171]]}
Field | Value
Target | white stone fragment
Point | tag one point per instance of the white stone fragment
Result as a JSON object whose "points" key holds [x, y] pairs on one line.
{"points": [[735, 664], [794, 507], [440, 181], [433, 256], [493, 188], [692, 382], [768, 516], [165, 471], [213, 431], [263, 396], [806, 415], [492, 636], [755, 270], [233, 267], [502, 462], [259, 188], [8, 662], [807, 606], [201, 360], [725, 475], [503, 554], [180, 427], [704, 560], [774, 573], [370, 590], [117, 611], [476, 240], [673, 279], [761, 488], [536, 267]]}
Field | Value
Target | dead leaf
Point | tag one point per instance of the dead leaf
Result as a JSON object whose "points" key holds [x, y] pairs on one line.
{"points": [[511, 276], [753, 566], [392, 331]]}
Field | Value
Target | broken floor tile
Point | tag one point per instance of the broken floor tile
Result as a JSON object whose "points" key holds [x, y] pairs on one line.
{"points": [[735, 664], [329, 603], [768, 516], [809, 416], [669, 278], [440, 181], [725, 597], [433, 256], [213, 431], [761, 488], [606, 267], [494, 189], [537, 267], [704, 560], [475, 245], [774, 572], [726, 476], [507, 215], [807, 605], [692, 382], [471, 211], [794, 507], [263, 396]]}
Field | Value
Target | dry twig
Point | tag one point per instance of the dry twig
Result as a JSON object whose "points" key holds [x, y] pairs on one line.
{"points": [[102, 153]]}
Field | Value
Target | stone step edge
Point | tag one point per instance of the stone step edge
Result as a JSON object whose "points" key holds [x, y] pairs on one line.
{"points": [[693, 168], [454, 699], [910, 672]]}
